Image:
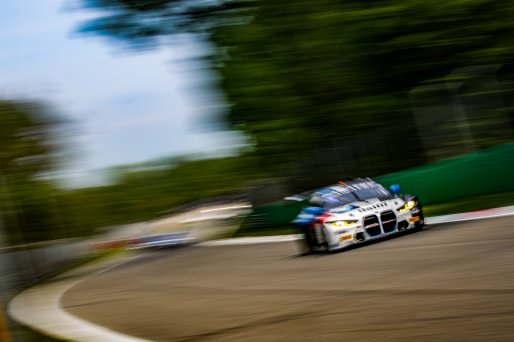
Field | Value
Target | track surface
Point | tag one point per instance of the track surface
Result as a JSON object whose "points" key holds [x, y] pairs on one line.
{"points": [[447, 283]]}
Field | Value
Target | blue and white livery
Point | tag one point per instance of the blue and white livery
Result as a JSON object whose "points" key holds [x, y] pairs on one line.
{"points": [[356, 211]]}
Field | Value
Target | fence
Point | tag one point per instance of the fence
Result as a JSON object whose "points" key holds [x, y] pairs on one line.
{"points": [[21, 267]]}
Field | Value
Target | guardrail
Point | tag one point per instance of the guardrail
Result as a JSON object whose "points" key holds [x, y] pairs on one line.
{"points": [[24, 265]]}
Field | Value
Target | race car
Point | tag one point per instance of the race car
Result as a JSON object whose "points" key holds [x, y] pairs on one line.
{"points": [[355, 211], [165, 240]]}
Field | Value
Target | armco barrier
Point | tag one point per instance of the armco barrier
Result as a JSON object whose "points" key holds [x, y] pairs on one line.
{"points": [[483, 172], [23, 266]]}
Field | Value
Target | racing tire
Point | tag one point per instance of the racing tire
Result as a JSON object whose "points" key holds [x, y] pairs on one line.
{"points": [[308, 242], [314, 242], [324, 244]]}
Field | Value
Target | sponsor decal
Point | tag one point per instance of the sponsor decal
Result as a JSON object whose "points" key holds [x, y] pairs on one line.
{"points": [[345, 237]]}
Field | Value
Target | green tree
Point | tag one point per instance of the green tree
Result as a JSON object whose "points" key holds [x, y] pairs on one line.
{"points": [[305, 79], [29, 148], [27, 137]]}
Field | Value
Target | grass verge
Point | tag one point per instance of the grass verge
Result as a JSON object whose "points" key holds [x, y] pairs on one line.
{"points": [[471, 204]]}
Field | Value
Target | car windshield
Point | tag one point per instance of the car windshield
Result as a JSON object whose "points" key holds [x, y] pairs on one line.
{"points": [[372, 192], [343, 194], [331, 198]]}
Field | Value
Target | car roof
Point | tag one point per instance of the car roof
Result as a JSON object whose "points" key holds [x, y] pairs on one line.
{"points": [[347, 184]]}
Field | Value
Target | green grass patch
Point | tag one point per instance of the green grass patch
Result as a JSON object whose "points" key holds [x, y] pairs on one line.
{"points": [[27, 335], [470, 204]]}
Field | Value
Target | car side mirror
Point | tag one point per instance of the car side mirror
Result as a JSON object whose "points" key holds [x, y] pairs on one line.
{"points": [[395, 189]]}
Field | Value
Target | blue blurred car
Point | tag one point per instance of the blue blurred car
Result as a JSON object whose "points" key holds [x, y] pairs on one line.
{"points": [[174, 239]]}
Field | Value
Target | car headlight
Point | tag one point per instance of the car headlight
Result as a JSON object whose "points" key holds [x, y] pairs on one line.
{"points": [[344, 223], [408, 206]]}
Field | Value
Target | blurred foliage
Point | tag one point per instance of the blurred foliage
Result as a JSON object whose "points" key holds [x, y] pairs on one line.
{"points": [[140, 192], [35, 209], [29, 148], [306, 78], [32, 208], [320, 88], [27, 139], [142, 23]]}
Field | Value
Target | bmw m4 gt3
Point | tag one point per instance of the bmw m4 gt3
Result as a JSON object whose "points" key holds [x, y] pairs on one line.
{"points": [[356, 211]]}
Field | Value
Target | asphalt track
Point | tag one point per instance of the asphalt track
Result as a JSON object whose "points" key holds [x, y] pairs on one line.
{"points": [[452, 282]]}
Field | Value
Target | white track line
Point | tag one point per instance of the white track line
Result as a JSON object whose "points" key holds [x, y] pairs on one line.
{"points": [[245, 206], [473, 215], [250, 240]]}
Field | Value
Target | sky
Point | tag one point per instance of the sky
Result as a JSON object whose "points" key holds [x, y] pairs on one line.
{"points": [[125, 107]]}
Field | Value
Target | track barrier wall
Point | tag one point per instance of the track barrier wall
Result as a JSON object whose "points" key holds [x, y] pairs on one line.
{"points": [[483, 172]]}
